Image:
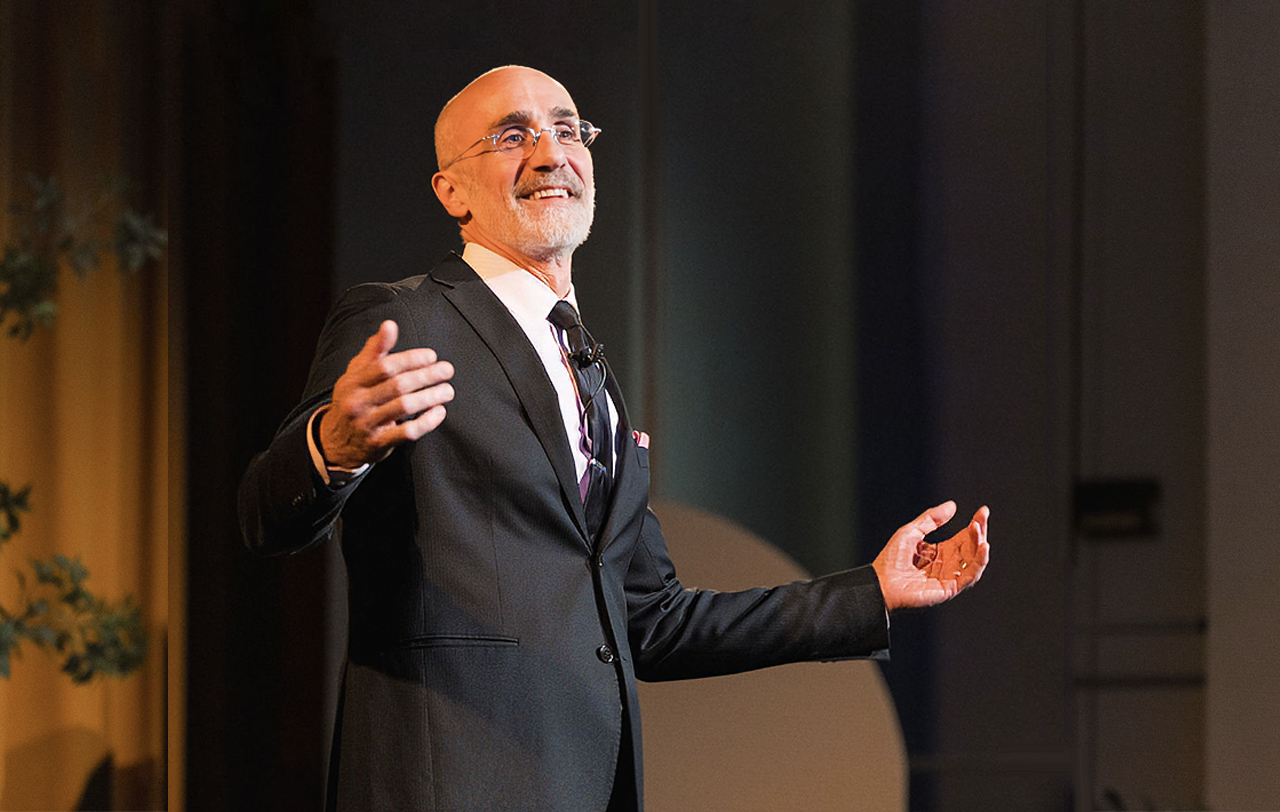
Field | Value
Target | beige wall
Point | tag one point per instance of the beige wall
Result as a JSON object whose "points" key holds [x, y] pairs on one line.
{"points": [[1243, 127]]}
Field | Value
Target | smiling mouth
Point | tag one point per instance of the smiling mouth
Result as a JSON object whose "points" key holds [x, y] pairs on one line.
{"points": [[543, 194]]}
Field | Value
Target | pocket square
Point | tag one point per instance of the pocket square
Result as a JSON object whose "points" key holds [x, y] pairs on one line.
{"points": [[642, 439]]}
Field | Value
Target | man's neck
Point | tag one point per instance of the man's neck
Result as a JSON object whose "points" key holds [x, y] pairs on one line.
{"points": [[555, 273]]}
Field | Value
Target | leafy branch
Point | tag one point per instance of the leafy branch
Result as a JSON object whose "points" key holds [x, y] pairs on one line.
{"points": [[59, 613], [11, 504], [51, 230]]}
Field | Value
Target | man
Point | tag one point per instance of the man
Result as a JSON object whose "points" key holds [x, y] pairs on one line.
{"points": [[507, 583]]}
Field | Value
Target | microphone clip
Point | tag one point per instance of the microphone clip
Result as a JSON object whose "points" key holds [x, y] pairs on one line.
{"points": [[588, 355]]}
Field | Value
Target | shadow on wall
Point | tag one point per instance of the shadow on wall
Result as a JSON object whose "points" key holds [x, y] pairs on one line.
{"points": [[89, 778]]}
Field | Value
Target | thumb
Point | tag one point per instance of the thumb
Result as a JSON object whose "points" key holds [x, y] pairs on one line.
{"points": [[935, 517], [381, 342]]}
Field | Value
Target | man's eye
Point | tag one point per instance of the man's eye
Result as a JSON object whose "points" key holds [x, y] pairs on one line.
{"points": [[566, 134], [512, 138]]}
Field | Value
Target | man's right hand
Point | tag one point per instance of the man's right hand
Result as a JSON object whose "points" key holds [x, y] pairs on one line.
{"points": [[375, 398]]}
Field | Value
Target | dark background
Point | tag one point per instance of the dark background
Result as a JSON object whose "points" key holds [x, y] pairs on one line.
{"points": [[849, 260]]}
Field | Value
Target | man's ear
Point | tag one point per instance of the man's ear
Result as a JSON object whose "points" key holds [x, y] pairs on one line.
{"points": [[451, 194]]}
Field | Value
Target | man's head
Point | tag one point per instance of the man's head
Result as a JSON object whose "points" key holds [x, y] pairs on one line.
{"points": [[537, 206]]}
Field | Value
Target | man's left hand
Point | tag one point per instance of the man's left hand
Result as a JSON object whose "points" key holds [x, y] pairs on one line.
{"points": [[915, 573]]}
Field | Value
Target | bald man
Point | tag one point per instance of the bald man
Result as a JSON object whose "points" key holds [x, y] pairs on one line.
{"points": [[507, 583]]}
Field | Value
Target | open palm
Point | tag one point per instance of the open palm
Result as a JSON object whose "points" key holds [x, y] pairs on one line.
{"points": [[915, 573]]}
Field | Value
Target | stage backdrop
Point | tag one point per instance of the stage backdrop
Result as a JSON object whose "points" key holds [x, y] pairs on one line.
{"points": [[84, 405]]}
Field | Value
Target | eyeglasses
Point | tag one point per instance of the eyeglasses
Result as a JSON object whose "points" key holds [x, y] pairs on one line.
{"points": [[522, 141]]}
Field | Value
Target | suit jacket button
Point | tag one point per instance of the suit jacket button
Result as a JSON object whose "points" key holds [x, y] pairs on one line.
{"points": [[605, 654]]}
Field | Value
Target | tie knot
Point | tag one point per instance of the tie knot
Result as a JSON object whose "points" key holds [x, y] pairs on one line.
{"points": [[583, 349], [564, 316]]}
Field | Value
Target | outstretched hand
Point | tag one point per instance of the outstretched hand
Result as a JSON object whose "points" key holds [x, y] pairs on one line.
{"points": [[384, 399], [914, 572]]}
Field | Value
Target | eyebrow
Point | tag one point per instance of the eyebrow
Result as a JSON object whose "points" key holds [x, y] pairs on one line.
{"points": [[524, 117]]}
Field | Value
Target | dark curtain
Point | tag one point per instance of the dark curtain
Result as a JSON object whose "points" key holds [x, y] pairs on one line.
{"points": [[255, 192]]}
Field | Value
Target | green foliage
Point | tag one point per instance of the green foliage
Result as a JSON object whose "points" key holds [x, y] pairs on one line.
{"points": [[58, 612], [51, 230], [11, 504], [61, 615]]}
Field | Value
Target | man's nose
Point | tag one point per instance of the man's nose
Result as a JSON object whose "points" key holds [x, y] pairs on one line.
{"points": [[548, 152]]}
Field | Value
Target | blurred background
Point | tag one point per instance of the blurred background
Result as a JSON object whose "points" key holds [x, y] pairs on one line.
{"points": [[849, 260]]}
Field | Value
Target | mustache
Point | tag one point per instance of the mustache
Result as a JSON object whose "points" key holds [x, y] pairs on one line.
{"points": [[559, 178]]}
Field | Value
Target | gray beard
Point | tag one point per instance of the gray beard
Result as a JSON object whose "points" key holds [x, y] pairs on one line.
{"points": [[550, 235]]}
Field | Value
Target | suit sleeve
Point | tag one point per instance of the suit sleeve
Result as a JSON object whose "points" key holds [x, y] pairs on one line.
{"points": [[284, 505], [678, 633]]}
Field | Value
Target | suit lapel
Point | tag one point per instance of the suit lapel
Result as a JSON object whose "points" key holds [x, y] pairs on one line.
{"points": [[524, 371], [629, 492]]}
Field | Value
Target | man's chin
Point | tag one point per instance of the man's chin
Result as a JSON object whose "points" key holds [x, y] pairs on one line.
{"points": [[544, 251], [555, 242]]}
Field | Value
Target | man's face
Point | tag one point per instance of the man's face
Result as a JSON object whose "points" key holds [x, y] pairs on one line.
{"points": [[540, 205]]}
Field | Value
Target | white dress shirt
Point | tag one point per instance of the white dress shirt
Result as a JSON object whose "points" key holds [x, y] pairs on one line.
{"points": [[529, 301]]}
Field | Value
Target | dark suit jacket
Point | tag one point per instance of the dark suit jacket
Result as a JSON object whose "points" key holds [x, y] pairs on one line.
{"points": [[494, 646]]}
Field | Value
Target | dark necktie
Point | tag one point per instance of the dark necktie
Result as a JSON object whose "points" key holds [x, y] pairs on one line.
{"points": [[586, 359]]}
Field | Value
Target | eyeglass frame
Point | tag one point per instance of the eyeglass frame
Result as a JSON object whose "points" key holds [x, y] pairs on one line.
{"points": [[585, 130]]}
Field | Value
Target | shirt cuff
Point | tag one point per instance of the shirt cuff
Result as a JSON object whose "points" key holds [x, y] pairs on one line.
{"points": [[335, 476]]}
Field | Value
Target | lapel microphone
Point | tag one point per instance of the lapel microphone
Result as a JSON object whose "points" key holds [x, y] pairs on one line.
{"points": [[591, 350], [588, 355]]}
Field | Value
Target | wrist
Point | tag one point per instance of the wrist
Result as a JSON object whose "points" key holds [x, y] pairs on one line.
{"points": [[335, 475]]}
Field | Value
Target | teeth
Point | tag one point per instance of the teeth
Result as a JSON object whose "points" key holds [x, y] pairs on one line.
{"points": [[541, 193]]}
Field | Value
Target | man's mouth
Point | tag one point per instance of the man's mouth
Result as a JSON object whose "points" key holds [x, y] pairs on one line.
{"points": [[542, 194]]}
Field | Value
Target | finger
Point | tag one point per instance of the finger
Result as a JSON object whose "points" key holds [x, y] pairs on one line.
{"points": [[934, 517], [957, 553], [410, 380], [976, 562], [370, 371], [373, 372], [980, 518], [409, 406], [978, 529], [381, 433], [426, 422], [974, 569], [414, 428], [417, 358]]}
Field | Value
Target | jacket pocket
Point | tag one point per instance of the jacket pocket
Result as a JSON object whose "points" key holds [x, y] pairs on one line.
{"points": [[446, 640]]}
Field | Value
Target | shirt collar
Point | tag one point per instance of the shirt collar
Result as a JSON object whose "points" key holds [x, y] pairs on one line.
{"points": [[527, 298]]}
